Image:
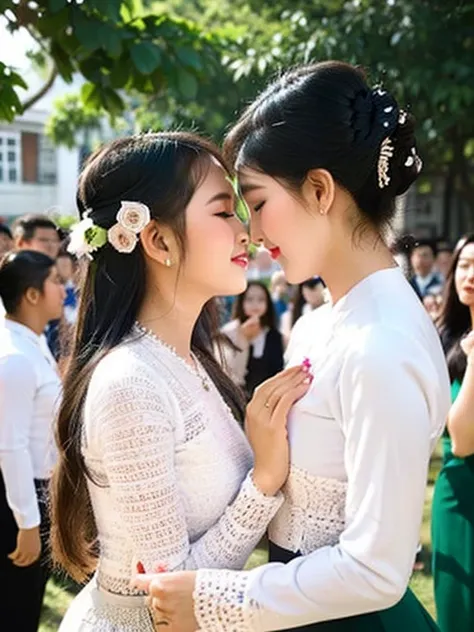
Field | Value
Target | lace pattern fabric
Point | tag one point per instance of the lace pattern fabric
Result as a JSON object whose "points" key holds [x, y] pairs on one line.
{"points": [[219, 610], [171, 472], [312, 514], [95, 610]]}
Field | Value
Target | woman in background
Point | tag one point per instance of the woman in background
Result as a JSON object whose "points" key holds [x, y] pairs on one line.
{"points": [[256, 350], [453, 506], [309, 295]]}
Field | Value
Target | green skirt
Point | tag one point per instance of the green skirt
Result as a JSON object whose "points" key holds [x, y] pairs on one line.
{"points": [[453, 543], [408, 615]]}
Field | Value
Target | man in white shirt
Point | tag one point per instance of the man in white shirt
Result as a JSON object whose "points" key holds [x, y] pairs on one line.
{"points": [[425, 278], [30, 390]]}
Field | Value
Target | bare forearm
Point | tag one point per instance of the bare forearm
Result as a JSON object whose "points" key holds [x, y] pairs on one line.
{"points": [[461, 415]]}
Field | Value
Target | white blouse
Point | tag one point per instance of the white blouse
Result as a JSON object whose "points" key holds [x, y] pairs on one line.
{"points": [[361, 441], [171, 467], [30, 390]]}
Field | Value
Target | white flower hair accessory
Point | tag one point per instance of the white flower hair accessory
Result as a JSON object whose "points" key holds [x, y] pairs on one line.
{"points": [[87, 237], [131, 219], [386, 152], [133, 216]]}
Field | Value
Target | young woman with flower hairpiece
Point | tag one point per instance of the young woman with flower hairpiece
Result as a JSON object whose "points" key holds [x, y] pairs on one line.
{"points": [[148, 416], [321, 158]]}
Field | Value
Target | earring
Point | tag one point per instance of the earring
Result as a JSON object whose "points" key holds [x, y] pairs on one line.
{"points": [[168, 262]]}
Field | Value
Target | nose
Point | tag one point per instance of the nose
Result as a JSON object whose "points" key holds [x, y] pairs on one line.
{"points": [[256, 235], [242, 236]]}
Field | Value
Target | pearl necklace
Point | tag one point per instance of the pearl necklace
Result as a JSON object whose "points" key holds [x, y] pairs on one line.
{"points": [[197, 371]]}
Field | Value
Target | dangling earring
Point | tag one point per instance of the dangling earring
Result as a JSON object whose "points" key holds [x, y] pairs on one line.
{"points": [[168, 262]]}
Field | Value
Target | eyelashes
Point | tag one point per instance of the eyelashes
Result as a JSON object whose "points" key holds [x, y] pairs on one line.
{"points": [[225, 215], [258, 207]]}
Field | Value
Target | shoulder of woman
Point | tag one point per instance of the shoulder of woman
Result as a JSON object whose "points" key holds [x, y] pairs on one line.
{"points": [[124, 370]]}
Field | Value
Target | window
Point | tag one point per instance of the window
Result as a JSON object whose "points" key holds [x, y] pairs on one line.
{"points": [[47, 164], [10, 151], [27, 157]]}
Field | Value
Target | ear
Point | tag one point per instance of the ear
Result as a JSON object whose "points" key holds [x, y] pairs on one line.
{"points": [[159, 244], [320, 189], [32, 295]]}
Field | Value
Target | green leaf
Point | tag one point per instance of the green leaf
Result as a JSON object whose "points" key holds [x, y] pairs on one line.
{"points": [[96, 236], [63, 62], [89, 32], [112, 102], [187, 84], [91, 96], [112, 41], [189, 57], [56, 5], [54, 24], [146, 57], [241, 209], [16, 80], [109, 8], [120, 74]]}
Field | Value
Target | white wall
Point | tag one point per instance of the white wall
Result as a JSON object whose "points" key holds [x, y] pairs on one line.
{"points": [[68, 171], [20, 198]]}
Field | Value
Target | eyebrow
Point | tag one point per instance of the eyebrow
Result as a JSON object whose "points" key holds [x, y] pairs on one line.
{"points": [[219, 196], [248, 187]]}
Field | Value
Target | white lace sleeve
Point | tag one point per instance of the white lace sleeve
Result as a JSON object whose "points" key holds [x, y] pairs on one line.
{"points": [[134, 430]]}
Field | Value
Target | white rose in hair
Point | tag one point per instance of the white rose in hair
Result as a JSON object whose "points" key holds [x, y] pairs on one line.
{"points": [[122, 239], [134, 216]]}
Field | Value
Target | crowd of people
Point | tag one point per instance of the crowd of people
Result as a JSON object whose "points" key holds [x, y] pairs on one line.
{"points": [[150, 435]]}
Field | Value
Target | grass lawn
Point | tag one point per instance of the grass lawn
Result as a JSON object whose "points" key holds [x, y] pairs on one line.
{"points": [[59, 594]]}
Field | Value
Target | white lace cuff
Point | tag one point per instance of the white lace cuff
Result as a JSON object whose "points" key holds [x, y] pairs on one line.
{"points": [[221, 603], [252, 507]]}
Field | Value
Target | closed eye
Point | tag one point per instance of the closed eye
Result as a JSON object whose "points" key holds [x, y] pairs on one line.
{"points": [[225, 214], [258, 207]]}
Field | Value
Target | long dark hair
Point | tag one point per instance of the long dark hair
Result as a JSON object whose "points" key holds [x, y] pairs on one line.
{"points": [[454, 321], [162, 171], [326, 116], [268, 319]]}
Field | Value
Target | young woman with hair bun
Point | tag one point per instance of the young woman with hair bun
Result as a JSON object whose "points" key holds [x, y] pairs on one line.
{"points": [[321, 157]]}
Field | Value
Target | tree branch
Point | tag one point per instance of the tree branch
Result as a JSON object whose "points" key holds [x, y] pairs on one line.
{"points": [[42, 91]]}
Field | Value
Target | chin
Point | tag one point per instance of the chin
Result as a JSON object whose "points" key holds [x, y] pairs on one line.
{"points": [[294, 276], [234, 288]]}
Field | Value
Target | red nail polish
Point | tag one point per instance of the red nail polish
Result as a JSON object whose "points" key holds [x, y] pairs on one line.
{"points": [[306, 362], [140, 568], [161, 568]]}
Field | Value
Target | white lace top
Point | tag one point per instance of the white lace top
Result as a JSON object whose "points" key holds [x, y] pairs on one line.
{"points": [[171, 468], [360, 445]]}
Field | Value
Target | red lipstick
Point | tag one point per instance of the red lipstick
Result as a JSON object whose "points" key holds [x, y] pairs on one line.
{"points": [[241, 260]]}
